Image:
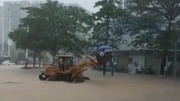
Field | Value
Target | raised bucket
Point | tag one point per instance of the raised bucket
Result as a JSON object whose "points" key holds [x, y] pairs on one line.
{"points": [[103, 59]]}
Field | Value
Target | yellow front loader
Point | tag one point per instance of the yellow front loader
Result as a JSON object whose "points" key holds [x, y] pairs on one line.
{"points": [[64, 70]]}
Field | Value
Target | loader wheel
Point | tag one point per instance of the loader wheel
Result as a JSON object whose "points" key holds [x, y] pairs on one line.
{"points": [[78, 79], [42, 76], [86, 78], [52, 78]]}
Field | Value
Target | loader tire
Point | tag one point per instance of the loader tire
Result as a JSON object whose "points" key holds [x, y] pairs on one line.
{"points": [[86, 78], [42, 77], [78, 79]]}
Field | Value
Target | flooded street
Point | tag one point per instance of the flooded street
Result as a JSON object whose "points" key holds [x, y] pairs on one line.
{"points": [[23, 85]]}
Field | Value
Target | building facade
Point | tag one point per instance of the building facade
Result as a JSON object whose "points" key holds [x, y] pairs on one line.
{"points": [[11, 13]]}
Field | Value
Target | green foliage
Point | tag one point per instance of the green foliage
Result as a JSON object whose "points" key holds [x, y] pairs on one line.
{"points": [[19, 36], [20, 56], [64, 23], [109, 23], [52, 27], [153, 23]]}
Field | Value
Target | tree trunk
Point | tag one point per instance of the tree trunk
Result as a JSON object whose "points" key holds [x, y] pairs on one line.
{"points": [[26, 61], [167, 44], [163, 63], [112, 66], [53, 58], [34, 59], [39, 58], [107, 31], [39, 61], [106, 42], [175, 59], [54, 52], [104, 69]]}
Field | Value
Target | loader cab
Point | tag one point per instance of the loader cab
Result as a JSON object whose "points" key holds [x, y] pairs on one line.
{"points": [[64, 62]]}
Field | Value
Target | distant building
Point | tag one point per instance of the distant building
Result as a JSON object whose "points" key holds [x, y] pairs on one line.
{"points": [[1, 30], [10, 16], [139, 58]]}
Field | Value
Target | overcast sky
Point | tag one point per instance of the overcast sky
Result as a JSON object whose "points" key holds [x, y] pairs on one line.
{"points": [[87, 4]]}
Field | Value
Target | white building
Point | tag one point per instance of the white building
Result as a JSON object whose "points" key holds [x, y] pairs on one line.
{"points": [[11, 13]]}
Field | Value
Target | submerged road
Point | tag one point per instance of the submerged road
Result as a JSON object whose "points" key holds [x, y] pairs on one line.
{"points": [[23, 85]]}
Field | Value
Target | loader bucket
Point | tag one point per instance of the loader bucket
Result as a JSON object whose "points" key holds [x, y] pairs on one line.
{"points": [[103, 59]]}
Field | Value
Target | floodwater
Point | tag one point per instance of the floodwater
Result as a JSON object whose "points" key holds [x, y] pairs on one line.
{"points": [[23, 85]]}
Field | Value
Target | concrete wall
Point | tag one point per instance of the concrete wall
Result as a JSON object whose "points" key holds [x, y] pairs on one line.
{"points": [[149, 60], [122, 59], [154, 62], [143, 60]]}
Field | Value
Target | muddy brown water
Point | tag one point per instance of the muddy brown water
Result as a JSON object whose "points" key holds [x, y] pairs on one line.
{"points": [[23, 85]]}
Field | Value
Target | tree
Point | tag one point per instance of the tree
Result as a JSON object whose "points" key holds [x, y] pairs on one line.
{"points": [[35, 23], [52, 13], [53, 27], [31, 33], [153, 24], [64, 24], [108, 23], [19, 36]]}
